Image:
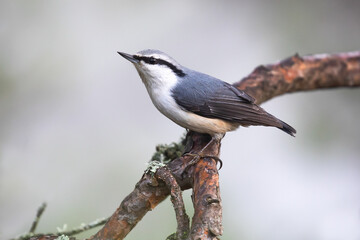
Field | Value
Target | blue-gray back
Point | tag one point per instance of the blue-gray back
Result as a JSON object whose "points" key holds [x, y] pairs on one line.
{"points": [[210, 97], [195, 90]]}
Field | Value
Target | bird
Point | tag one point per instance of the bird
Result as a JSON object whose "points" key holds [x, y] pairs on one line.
{"points": [[197, 101]]}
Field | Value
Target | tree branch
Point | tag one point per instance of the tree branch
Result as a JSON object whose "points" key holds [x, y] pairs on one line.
{"points": [[265, 82], [296, 74]]}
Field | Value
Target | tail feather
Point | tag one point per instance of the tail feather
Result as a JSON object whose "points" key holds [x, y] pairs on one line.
{"points": [[287, 128], [258, 116]]}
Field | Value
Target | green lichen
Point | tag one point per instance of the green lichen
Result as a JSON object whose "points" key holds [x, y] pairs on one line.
{"points": [[167, 152], [153, 166], [62, 237], [164, 154]]}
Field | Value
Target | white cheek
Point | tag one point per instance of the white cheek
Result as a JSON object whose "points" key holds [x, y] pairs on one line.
{"points": [[157, 76]]}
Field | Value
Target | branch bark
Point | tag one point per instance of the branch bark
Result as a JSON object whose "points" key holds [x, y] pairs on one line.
{"points": [[296, 74], [207, 220], [293, 74], [183, 228]]}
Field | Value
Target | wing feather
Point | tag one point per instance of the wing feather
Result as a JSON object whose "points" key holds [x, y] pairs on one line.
{"points": [[218, 99]]}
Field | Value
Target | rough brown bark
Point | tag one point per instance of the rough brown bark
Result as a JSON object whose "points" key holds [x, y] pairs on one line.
{"points": [[297, 73], [182, 219], [265, 82], [207, 219]]}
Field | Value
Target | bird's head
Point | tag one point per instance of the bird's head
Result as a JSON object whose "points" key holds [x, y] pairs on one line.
{"points": [[154, 66]]}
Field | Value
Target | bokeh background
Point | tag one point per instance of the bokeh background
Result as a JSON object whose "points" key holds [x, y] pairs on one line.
{"points": [[77, 126]]}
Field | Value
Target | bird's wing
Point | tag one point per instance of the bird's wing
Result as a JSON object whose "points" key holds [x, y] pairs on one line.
{"points": [[218, 99]]}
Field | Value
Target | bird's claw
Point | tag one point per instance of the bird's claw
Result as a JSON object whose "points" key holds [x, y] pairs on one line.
{"points": [[197, 157]]}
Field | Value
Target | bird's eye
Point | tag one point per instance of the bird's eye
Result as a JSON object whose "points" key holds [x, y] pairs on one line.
{"points": [[152, 60]]}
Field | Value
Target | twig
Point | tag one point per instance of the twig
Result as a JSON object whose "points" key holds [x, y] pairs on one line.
{"points": [[35, 223], [183, 222], [82, 228]]}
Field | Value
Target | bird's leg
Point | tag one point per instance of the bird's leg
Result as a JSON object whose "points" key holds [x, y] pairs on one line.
{"points": [[199, 155]]}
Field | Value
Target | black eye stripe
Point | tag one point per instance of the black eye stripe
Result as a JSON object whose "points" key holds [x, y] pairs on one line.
{"points": [[153, 61]]}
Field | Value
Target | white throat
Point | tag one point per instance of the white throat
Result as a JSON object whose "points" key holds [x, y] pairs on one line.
{"points": [[159, 81], [157, 78]]}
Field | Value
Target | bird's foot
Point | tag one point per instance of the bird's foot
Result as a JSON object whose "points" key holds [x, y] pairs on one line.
{"points": [[197, 157]]}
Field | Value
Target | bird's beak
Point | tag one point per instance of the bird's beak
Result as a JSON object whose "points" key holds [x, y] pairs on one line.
{"points": [[129, 57]]}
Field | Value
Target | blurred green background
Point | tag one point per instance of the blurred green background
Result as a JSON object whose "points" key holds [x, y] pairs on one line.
{"points": [[77, 126]]}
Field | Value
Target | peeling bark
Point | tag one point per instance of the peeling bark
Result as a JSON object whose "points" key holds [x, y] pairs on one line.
{"points": [[207, 219], [296, 74]]}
